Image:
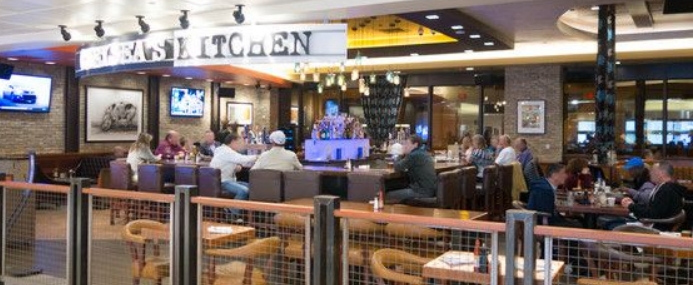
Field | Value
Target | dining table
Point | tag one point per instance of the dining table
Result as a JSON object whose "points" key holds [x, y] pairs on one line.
{"points": [[213, 234], [591, 211]]}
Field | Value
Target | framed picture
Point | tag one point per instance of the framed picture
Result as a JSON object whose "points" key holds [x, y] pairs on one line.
{"points": [[531, 117], [294, 115], [113, 115], [240, 113]]}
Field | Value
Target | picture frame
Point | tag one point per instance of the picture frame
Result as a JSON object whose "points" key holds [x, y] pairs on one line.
{"points": [[531, 116], [240, 113], [294, 115], [113, 114]]}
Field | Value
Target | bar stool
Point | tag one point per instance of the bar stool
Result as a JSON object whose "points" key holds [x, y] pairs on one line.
{"points": [[120, 179]]}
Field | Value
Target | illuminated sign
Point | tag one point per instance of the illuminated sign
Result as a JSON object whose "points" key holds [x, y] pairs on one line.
{"points": [[215, 46]]}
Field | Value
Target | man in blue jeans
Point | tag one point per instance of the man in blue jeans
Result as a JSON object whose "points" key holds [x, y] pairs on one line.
{"points": [[227, 158]]}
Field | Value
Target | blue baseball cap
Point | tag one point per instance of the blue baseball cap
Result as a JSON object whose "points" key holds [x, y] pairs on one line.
{"points": [[633, 162]]}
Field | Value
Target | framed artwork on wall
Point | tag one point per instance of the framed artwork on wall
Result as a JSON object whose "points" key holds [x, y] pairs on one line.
{"points": [[531, 116], [294, 115], [113, 115], [239, 113]]}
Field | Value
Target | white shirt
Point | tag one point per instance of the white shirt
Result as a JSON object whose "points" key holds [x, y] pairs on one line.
{"points": [[136, 157], [506, 156], [226, 159], [278, 158]]}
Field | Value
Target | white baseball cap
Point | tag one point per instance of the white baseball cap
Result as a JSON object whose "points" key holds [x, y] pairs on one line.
{"points": [[277, 137]]}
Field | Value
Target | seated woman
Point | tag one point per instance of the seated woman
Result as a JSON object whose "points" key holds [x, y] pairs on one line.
{"points": [[579, 175], [481, 155], [141, 153]]}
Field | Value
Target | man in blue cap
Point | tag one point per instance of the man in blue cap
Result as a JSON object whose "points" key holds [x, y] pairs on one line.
{"points": [[641, 186]]}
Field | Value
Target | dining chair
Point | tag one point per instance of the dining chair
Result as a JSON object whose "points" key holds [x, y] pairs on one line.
{"points": [[467, 187], [151, 180], [301, 184], [186, 175], [266, 186], [519, 233], [209, 180], [120, 179], [447, 196], [398, 266], [242, 269], [587, 281], [487, 191], [417, 239], [152, 267], [505, 188], [673, 223]]}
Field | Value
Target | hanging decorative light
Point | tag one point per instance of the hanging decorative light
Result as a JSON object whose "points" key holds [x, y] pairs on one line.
{"points": [[344, 86], [329, 80], [406, 92], [396, 79], [357, 62], [320, 88], [302, 76], [342, 67], [367, 91], [371, 79], [297, 67], [341, 79], [354, 74], [362, 85], [316, 76], [390, 76]]}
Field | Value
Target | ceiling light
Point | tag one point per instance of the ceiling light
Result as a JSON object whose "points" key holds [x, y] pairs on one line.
{"points": [[574, 102], [144, 27], [166, 75], [594, 8], [475, 36], [100, 32], [12, 59], [184, 23], [432, 17], [414, 54], [63, 31], [238, 14], [141, 72], [488, 43], [618, 62], [457, 27], [459, 32], [188, 78], [50, 62], [469, 68]]}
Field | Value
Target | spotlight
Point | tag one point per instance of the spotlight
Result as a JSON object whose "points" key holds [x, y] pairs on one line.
{"points": [[144, 27], [100, 32], [238, 14], [184, 23], [65, 33]]}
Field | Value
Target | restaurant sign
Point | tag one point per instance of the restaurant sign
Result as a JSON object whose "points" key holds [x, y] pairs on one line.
{"points": [[252, 44]]}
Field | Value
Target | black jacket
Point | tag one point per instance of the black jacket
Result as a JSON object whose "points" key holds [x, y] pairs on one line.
{"points": [[421, 171], [666, 202]]}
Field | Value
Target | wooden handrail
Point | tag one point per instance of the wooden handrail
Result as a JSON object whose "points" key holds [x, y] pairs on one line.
{"points": [[134, 195], [618, 237], [482, 226], [252, 205], [15, 185]]}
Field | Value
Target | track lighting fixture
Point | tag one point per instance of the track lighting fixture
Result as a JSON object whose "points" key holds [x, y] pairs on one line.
{"points": [[144, 27], [184, 22], [63, 31], [100, 32], [238, 14]]}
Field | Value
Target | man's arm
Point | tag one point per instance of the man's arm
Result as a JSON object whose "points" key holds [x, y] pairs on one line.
{"points": [[404, 164], [656, 208], [297, 163]]}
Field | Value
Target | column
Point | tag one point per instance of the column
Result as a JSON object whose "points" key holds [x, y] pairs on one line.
{"points": [[605, 82]]}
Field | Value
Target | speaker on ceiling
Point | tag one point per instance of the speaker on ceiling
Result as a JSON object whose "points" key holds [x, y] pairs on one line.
{"points": [[6, 71], [227, 92]]}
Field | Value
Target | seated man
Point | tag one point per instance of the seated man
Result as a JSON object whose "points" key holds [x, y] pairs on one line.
{"points": [[208, 145], [227, 158], [542, 196], [642, 185], [506, 156], [170, 146], [418, 165], [666, 200], [278, 158]]}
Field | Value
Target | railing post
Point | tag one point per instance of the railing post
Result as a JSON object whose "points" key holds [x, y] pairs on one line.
{"points": [[2, 227], [529, 220], [326, 241], [78, 232], [185, 237]]}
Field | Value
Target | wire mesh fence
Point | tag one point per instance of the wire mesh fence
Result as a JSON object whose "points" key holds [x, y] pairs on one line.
{"points": [[36, 236], [252, 243], [130, 241]]}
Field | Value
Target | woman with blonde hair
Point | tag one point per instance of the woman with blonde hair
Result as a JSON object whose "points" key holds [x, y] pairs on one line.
{"points": [[481, 155], [141, 153]]}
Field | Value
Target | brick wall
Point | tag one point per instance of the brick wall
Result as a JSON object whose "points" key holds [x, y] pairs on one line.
{"points": [[191, 128], [248, 94], [538, 82], [43, 132]]}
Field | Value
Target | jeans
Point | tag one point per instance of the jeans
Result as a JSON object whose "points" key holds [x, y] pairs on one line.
{"points": [[239, 189], [397, 196]]}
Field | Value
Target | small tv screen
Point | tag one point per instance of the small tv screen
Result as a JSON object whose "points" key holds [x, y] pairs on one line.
{"points": [[187, 102], [26, 93]]}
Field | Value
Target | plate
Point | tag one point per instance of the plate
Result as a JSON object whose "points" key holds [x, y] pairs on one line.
{"points": [[455, 259]]}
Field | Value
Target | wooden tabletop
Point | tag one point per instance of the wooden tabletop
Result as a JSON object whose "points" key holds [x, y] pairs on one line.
{"points": [[439, 268], [401, 209], [616, 210], [386, 172], [210, 238], [171, 162]]}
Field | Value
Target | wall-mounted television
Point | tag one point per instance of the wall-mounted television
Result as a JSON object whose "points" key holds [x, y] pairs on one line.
{"points": [[26, 93], [187, 102]]}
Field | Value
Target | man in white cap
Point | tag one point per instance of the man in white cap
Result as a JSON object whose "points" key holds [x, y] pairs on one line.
{"points": [[278, 158]]}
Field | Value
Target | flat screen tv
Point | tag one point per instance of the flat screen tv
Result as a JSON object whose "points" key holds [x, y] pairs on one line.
{"points": [[26, 93], [187, 102]]}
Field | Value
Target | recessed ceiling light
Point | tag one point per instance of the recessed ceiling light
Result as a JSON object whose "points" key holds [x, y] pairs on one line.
{"points": [[457, 27], [618, 62], [166, 75], [432, 17], [469, 68], [460, 32], [50, 62], [141, 72], [469, 51], [488, 43], [594, 8], [475, 36], [414, 54], [12, 59], [188, 78]]}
